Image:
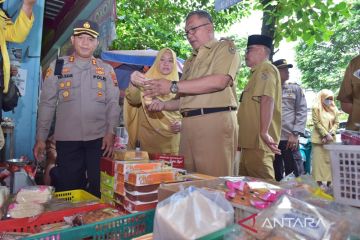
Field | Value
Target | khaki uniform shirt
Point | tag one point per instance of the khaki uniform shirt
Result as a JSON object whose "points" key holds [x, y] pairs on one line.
{"points": [[85, 98], [294, 110], [264, 81], [350, 93], [215, 57]]}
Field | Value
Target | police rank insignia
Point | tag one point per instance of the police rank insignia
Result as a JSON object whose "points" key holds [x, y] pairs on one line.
{"points": [[68, 84], [48, 73], [62, 85], [99, 85], [65, 70], [100, 71], [71, 58], [66, 94], [100, 94]]}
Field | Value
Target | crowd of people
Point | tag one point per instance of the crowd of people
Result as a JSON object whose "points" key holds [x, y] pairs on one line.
{"points": [[197, 115]]}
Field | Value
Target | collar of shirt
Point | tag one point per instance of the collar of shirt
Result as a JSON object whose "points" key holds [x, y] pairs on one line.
{"points": [[256, 67], [207, 45]]}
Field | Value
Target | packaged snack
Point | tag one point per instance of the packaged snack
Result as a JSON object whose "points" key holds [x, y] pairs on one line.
{"points": [[34, 194], [22, 210]]}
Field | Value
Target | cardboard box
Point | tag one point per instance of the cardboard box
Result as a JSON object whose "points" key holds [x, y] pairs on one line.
{"points": [[142, 178], [167, 189], [130, 155], [107, 165], [127, 167], [175, 161]]}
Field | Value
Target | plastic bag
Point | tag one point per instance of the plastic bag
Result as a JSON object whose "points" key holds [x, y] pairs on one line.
{"points": [[293, 219], [192, 213]]}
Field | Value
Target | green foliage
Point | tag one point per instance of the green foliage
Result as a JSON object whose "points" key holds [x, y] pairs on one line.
{"points": [[157, 24], [310, 20], [323, 64]]}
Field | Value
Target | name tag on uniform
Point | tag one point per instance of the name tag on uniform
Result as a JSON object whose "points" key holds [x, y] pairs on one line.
{"points": [[102, 78]]}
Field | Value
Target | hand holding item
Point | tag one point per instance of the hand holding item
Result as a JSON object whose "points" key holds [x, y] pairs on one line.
{"points": [[157, 87], [137, 79]]}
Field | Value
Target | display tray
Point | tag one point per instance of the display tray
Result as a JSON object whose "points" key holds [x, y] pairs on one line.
{"points": [[122, 227]]}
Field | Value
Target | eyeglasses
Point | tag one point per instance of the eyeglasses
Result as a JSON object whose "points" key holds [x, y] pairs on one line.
{"points": [[193, 29]]}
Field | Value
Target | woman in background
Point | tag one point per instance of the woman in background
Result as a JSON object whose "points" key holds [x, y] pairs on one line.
{"points": [[325, 118], [157, 132]]}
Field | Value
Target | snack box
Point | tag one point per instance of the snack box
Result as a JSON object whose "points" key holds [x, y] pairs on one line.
{"points": [[107, 191], [175, 161], [131, 155], [119, 188], [138, 206], [106, 179], [142, 189], [136, 197], [118, 198], [142, 178], [127, 167]]}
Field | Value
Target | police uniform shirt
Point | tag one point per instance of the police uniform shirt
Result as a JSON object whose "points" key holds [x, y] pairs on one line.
{"points": [[85, 97], [215, 57], [294, 110], [350, 93], [264, 81]]}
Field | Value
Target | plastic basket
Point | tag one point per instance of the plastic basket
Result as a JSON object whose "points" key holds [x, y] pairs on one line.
{"points": [[31, 224], [345, 162], [231, 232], [123, 227], [74, 196]]}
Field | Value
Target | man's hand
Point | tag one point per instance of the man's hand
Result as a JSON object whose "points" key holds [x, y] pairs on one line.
{"points": [[157, 87], [39, 150], [270, 143], [156, 105], [108, 145], [137, 79], [293, 142]]}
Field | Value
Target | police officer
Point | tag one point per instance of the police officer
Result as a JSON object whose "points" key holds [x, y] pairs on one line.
{"points": [[259, 114], [294, 114], [207, 101], [83, 91]]}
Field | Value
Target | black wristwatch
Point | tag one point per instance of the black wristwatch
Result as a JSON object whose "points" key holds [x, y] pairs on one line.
{"points": [[295, 133], [174, 87]]}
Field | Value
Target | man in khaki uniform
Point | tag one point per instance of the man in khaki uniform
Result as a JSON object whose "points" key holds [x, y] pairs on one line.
{"points": [[259, 114], [349, 94], [83, 91], [207, 99]]}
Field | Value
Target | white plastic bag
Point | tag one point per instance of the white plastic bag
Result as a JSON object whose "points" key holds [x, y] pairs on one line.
{"points": [[192, 213]]}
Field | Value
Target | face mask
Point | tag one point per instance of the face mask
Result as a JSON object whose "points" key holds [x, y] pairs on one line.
{"points": [[327, 102]]}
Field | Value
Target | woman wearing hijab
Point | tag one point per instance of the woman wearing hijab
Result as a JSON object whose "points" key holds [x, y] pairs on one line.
{"points": [[157, 132], [325, 118]]}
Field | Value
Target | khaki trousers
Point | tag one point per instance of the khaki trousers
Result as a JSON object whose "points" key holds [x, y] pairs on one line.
{"points": [[257, 163], [208, 143]]}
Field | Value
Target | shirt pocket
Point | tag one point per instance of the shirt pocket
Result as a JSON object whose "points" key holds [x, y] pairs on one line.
{"points": [[68, 89], [98, 90]]}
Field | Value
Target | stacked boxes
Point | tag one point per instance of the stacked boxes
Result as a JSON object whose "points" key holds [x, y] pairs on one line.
{"points": [[133, 185]]}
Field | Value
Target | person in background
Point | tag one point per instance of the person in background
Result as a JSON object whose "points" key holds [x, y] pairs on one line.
{"points": [[83, 91], [349, 94], [294, 114], [12, 32], [206, 98], [259, 114], [158, 132], [325, 119]]}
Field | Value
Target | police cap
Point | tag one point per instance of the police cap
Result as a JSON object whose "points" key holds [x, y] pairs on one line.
{"points": [[259, 40], [86, 27], [282, 63]]}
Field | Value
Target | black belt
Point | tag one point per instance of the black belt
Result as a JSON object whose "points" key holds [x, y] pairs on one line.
{"points": [[202, 111]]}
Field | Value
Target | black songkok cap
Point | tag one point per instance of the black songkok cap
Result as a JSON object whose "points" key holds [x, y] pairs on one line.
{"points": [[259, 40], [282, 63]]}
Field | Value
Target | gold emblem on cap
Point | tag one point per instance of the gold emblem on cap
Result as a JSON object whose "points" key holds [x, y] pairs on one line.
{"points": [[66, 94], [86, 25]]}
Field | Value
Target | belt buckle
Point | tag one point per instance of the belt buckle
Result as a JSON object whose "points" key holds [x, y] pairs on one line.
{"points": [[185, 114]]}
